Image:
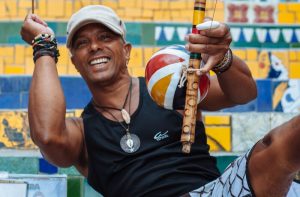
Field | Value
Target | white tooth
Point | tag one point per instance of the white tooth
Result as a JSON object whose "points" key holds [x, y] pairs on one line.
{"points": [[99, 61]]}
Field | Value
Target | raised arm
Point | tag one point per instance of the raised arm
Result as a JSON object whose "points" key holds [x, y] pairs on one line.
{"points": [[60, 140]]}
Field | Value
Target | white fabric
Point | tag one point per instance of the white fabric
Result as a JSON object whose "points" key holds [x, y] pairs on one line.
{"points": [[233, 183]]}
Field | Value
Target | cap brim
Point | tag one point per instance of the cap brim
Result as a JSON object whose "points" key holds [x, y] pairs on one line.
{"points": [[90, 21]]}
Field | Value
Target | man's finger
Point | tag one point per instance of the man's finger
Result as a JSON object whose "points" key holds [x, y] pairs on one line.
{"points": [[35, 18], [208, 25]]}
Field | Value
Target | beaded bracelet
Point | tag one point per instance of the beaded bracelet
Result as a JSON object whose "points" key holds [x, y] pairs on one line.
{"points": [[225, 63], [45, 45]]}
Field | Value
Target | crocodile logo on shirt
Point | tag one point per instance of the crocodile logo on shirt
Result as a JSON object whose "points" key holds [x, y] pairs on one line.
{"points": [[160, 136]]}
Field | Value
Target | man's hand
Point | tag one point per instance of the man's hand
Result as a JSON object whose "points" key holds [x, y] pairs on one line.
{"points": [[32, 27], [213, 43]]}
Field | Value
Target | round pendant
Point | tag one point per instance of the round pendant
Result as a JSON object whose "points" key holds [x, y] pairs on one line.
{"points": [[130, 143]]}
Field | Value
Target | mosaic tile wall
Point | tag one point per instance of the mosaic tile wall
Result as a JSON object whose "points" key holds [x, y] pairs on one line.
{"points": [[266, 34]]}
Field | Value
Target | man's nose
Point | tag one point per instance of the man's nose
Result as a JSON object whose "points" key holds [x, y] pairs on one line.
{"points": [[96, 45]]}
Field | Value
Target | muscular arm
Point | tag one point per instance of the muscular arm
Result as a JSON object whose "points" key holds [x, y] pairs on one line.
{"points": [[275, 160], [60, 139]]}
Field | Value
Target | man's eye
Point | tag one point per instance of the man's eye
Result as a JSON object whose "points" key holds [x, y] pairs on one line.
{"points": [[81, 43], [105, 37]]}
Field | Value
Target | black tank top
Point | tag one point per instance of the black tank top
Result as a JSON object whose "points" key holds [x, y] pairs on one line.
{"points": [[158, 168]]}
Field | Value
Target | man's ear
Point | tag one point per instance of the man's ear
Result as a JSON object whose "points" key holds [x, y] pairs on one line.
{"points": [[127, 50]]}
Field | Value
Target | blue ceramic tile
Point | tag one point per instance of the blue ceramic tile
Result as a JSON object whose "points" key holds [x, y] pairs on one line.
{"points": [[46, 167], [10, 100], [248, 107], [76, 92], [264, 95], [14, 83]]}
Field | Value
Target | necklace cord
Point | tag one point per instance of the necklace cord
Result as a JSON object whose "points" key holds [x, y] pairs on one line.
{"points": [[114, 108], [104, 108]]}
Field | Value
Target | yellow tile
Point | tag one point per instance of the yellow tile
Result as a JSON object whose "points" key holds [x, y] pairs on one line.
{"points": [[64, 55], [68, 9], [292, 55], [3, 13], [78, 112], [141, 19], [286, 18], [253, 66], [110, 3], [7, 51], [42, 8], [147, 13], [29, 66], [186, 15], [219, 16], [178, 5], [165, 5], [14, 70], [55, 8], [138, 71], [220, 5], [190, 5], [11, 7], [25, 4], [152, 4], [77, 5], [294, 7], [161, 15], [19, 54], [28, 51], [136, 57], [61, 69], [283, 56], [148, 52], [219, 138], [178, 15], [139, 4], [8, 60], [22, 12], [1, 66], [251, 54], [297, 17], [298, 55], [294, 70], [282, 7], [88, 2], [132, 12], [121, 13], [71, 70], [127, 3], [216, 120], [240, 53]]}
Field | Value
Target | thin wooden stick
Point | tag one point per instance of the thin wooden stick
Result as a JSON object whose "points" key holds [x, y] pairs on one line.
{"points": [[32, 6], [190, 111]]}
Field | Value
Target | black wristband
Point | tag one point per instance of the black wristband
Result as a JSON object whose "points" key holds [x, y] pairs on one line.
{"points": [[225, 63], [44, 52], [45, 45]]}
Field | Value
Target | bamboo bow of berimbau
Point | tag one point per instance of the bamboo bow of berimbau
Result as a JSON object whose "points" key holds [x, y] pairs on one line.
{"points": [[190, 110]]}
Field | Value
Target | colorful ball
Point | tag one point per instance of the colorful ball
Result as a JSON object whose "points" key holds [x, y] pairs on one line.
{"points": [[164, 73]]}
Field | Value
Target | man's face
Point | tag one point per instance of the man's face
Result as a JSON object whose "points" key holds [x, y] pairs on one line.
{"points": [[99, 54]]}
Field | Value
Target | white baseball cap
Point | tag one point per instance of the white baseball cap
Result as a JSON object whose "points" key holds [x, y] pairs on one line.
{"points": [[95, 14]]}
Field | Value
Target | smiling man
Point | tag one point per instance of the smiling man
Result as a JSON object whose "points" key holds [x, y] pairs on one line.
{"points": [[124, 143]]}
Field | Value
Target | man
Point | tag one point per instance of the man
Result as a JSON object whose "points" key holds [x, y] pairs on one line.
{"points": [[112, 143]]}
